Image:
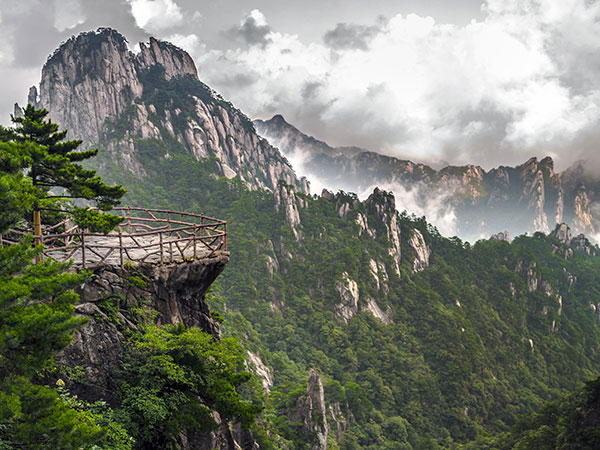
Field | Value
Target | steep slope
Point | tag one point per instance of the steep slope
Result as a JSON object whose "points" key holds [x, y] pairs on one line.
{"points": [[93, 80], [527, 198]]}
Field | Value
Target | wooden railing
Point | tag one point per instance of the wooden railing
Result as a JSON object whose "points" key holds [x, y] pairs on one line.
{"points": [[144, 235]]}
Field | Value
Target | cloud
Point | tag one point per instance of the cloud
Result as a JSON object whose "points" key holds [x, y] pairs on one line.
{"points": [[252, 30], [522, 81], [190, 42], [67, 14], [350, 36], [156, 15]]}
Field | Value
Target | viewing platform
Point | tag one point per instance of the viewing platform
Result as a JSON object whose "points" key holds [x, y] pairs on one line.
{"points": [[153, 236]]}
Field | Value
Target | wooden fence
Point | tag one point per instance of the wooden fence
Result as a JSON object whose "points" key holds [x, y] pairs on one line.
{"points": [[144, 235]]}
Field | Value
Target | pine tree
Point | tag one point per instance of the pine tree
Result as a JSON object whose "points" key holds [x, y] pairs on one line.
{"points": [[37, 317], [53, 166]]}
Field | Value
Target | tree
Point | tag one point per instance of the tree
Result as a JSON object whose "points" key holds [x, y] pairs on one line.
{"points": [[36, 322], [52, 165]]}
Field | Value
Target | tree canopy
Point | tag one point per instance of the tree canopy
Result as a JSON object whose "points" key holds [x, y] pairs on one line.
{"points": [[52, 165]]}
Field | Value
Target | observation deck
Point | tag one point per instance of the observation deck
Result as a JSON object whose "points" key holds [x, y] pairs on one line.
{"points": [[155, 236]]}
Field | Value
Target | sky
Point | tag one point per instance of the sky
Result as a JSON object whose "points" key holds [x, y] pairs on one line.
{"points": [[458, 81]]}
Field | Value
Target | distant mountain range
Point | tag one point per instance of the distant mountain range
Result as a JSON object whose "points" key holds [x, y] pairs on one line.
{"points": [[463, 200]]}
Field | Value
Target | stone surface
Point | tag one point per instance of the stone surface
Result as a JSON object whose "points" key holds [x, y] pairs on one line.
{"points": [[93, 78], [383, 205], [347, 307], [261, 370], [421, 251], [311, 412]]}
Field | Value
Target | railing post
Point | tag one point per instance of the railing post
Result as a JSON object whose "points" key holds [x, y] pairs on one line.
{"points": [[170, 242], [161, 247], [195, 231], [83, 249], [121, 248], [129, 220], [225, 235]]}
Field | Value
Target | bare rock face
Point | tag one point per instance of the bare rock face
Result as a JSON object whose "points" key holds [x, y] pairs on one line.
{"points": [[383, 205], [93, 80], [420, 249], [285, 200], [175, 290], [377, 312], [261, 370], [348, 304], [96, 349], [582, 218], [533, 190], [529, 273], [563, 233], [311, 412]]}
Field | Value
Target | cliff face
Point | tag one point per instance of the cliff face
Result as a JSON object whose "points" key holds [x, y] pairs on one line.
{"points": [[527, 198], [174, 294], [100, 91]]}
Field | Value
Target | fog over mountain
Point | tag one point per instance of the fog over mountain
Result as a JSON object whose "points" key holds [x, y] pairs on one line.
{"points": [[467, 201]]}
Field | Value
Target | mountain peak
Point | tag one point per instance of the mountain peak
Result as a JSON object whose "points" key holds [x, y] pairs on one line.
{"points": [[101, 66]]}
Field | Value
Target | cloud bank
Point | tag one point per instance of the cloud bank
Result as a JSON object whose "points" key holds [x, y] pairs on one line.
{"points": [[522, 81]]}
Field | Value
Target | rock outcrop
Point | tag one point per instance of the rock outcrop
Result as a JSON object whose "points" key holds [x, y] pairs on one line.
{"points": [[100, 91], [562, 233], [347, 289], [421, 251], [310, 411], [383, 205], [175, 293], [286, 201]]}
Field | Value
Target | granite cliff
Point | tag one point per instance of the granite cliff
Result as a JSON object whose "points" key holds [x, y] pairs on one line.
{"points": [[102, 92]]}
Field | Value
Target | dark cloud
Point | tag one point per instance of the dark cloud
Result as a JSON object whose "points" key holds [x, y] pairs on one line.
{"points": [[350, 36], [253, 30]]}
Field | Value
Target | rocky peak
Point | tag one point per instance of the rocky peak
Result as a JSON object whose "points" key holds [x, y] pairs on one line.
{"points": [[383, 205], [562, 232], [93, 82], [311, 412], [176, 62]]}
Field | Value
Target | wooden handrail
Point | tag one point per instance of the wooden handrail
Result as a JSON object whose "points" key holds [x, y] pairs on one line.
{"points": [[177, 237]]}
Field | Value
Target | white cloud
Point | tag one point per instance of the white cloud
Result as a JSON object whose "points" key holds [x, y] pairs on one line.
{"points": [[156, 15], [190, 42], [515, 81]]}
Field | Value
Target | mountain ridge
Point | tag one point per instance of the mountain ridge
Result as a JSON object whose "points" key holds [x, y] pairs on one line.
{"points": [[539, 197]]}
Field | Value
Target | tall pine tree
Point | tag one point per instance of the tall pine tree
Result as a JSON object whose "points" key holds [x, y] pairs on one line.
{"points": [[53, 166]]}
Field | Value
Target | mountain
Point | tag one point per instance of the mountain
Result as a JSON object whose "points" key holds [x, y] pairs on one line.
{"points": [[367, 327], [527, 198], [93, 81]]}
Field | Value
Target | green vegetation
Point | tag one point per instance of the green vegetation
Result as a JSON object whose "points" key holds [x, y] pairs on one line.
{"points": [[36, 322], [167, 370], [471, 347], [52, 166], [173, 377]]}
